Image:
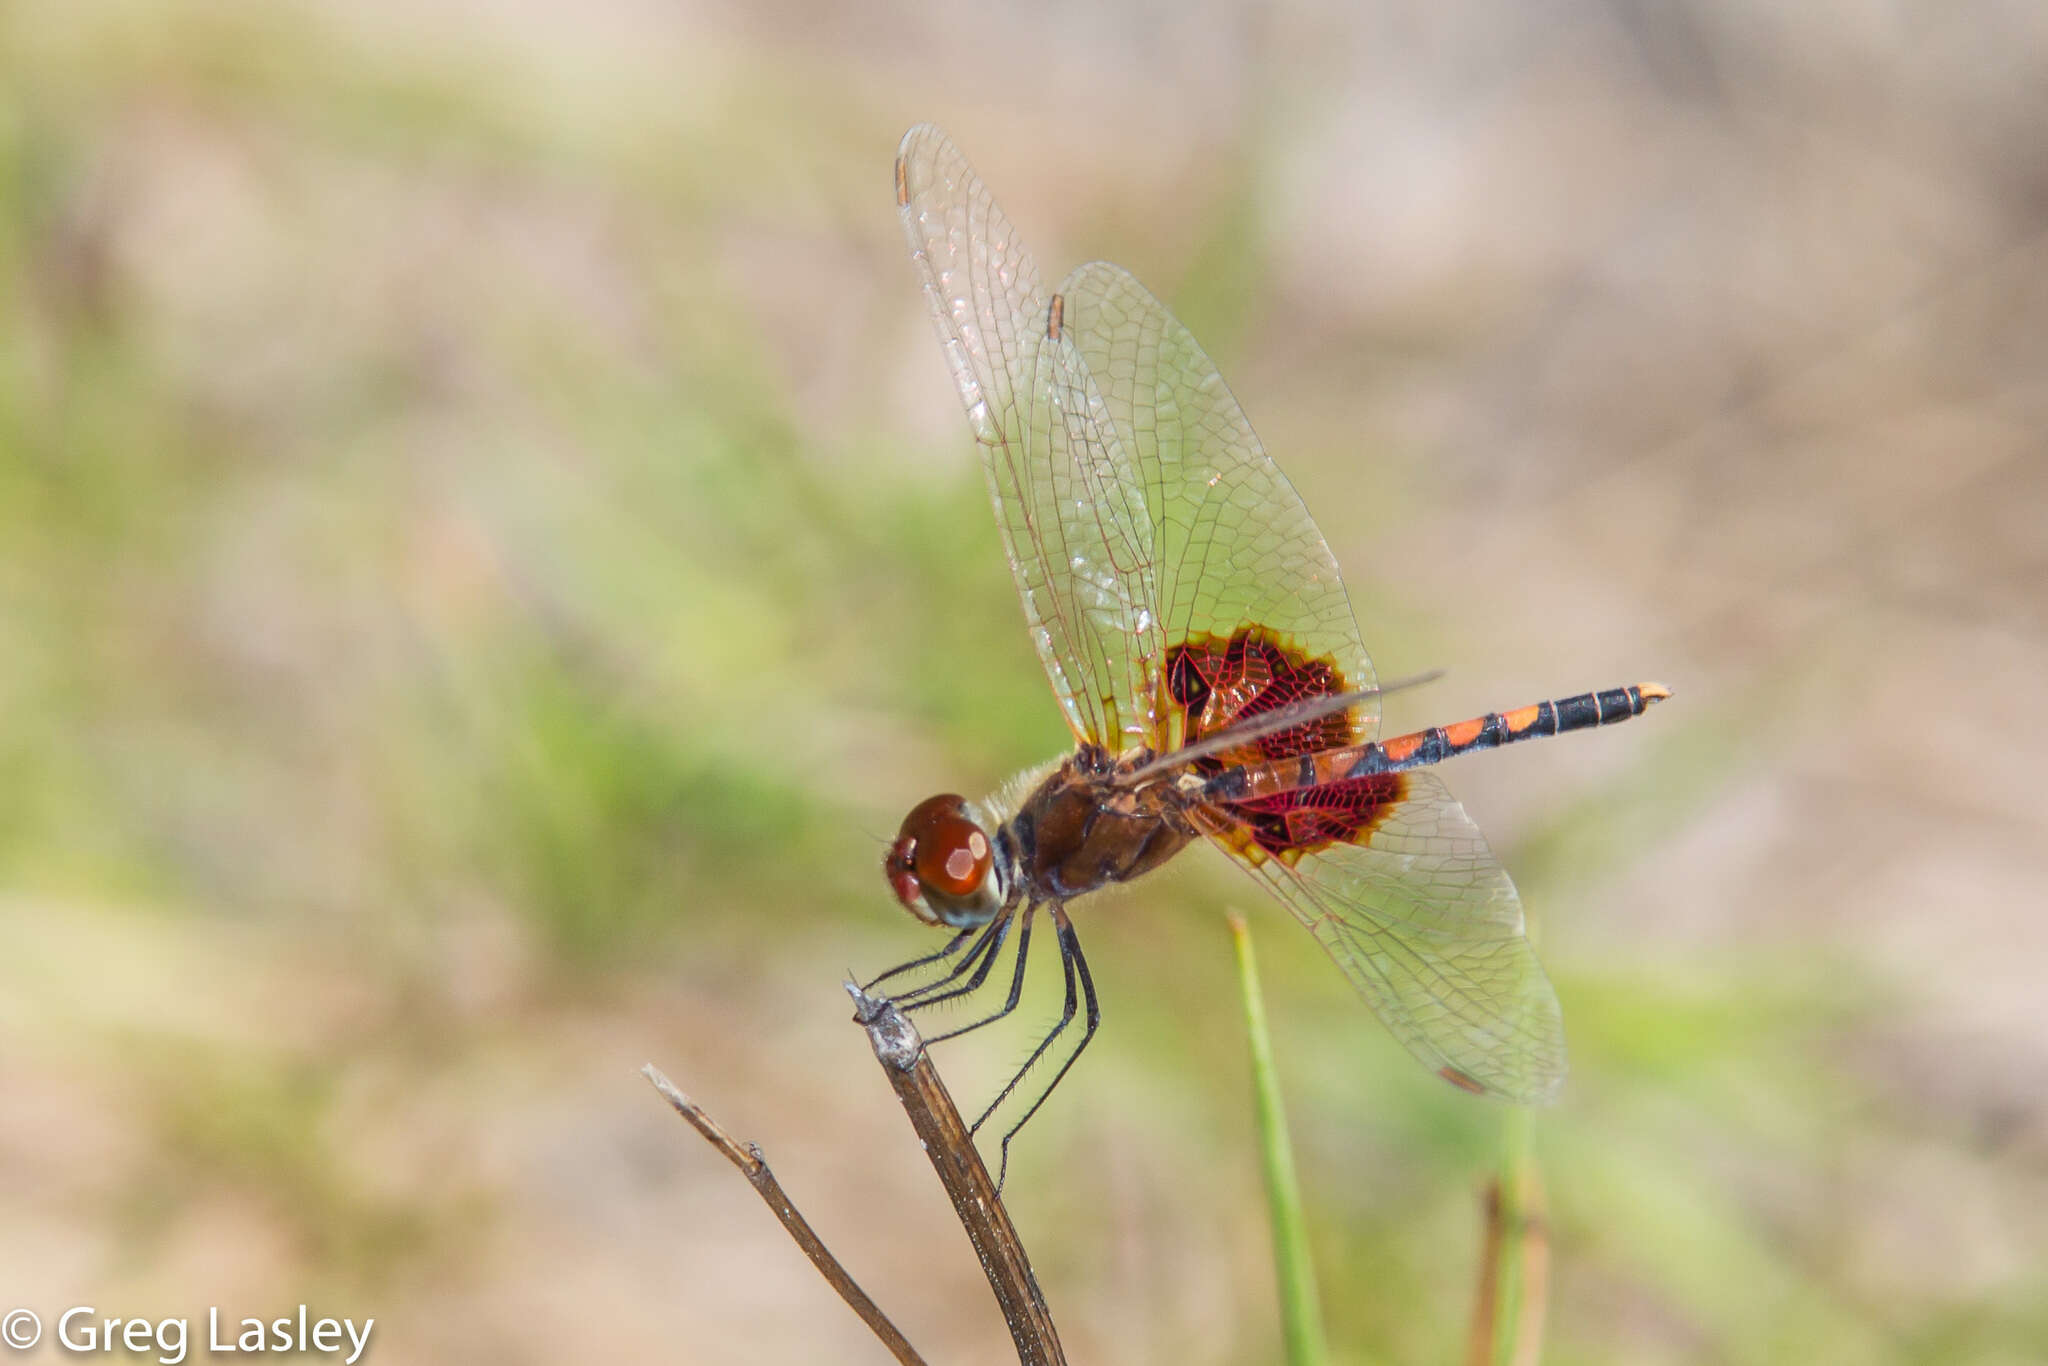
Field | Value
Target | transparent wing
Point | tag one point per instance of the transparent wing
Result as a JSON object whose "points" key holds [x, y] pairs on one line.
{"points": [[1424, 921], [1232, 542], [1067, 499]]}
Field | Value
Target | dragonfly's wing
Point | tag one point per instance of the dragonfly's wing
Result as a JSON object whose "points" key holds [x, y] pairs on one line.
{"points": [[1071, 510], [1390, 876], [1424, 921], [1233, 545]]}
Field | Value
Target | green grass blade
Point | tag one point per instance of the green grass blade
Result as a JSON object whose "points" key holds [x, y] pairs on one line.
{"points": [[1508, 1320], [1301, 1317]]}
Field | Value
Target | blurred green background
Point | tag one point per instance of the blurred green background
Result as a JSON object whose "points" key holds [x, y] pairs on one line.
{"points": [[488, 552]]}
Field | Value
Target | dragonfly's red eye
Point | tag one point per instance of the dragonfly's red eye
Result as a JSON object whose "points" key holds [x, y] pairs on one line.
{"points": [[945, 850]]}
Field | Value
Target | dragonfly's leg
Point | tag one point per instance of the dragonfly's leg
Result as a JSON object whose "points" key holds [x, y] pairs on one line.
{"points": [[1016, 983], [991, 938], [987, 951], [952, 947], [1066, 1018], [1073, 959]]}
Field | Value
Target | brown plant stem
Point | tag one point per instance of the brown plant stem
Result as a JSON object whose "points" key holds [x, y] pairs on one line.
{"points": [[748, 1158], [1479, 1342], [1517, 1237], [950, 1146]]}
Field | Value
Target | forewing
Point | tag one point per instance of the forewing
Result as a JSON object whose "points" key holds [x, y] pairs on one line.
{"points": [[1067, 501], [1424, 921], [1232, 542]]}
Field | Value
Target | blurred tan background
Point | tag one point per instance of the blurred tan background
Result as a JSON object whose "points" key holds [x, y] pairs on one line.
{"points": [[488, 549]]}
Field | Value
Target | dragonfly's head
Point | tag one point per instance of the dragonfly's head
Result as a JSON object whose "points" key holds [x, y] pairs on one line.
{"points": [[943, 865]]}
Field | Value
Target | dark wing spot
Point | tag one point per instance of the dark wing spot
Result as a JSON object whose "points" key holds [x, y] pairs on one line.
{"points": [[1460, 1080]]}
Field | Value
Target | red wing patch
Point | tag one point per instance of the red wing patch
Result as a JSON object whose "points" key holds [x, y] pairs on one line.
{"points": [[1219, 681]]}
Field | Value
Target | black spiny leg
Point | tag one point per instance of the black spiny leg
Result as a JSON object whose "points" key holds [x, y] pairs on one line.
{"points": [[952, 947], [1066, 1018], [1072, 959], [985, 949], [991, 935], [1016, 983]]}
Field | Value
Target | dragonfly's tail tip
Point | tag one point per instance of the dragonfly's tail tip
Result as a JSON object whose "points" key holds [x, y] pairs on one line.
{"points": [[1653, 692]]}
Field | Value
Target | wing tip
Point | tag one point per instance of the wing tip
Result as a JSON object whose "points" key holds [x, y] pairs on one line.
{"points": [[917, 146], [1547, 1091]]}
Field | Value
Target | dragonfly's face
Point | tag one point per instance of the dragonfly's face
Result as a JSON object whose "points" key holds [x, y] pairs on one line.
{"points": [[943, 864]]}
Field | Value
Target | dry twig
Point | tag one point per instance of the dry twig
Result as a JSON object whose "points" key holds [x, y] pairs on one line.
{"points": [[948, 1142], [950, 1146], [748, 1159]]}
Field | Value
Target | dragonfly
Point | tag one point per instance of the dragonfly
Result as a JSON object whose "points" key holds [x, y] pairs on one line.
{"points": [[1202, 648]]}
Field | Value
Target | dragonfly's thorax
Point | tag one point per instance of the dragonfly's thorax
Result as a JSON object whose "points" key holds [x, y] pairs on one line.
{"points": [[1078, 830]]}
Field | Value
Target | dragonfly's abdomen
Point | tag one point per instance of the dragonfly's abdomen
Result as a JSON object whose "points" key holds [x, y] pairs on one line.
{"points": [[1494, 729], [1253, 782]]}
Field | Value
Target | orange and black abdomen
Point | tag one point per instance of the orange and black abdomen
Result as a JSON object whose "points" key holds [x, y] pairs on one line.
{"points": [[1253, 784], [1494, 729]]}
